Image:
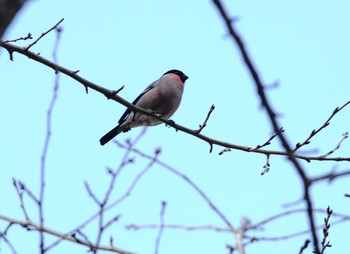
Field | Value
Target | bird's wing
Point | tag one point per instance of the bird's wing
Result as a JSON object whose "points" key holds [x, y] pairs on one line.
{"points": [[128, 111]]}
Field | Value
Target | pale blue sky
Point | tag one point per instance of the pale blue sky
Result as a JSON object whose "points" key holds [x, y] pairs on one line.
{"points": [[302, 45]]}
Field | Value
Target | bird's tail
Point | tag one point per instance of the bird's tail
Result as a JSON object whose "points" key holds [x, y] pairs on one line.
{"points": [[111, 134]]}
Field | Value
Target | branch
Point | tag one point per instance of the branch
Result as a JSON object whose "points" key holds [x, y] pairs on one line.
{"points": [[202, 126], [161, 228], [314, 132], [345, 136], [43, 34], [110, 94], [32, 225], [272, 116]]}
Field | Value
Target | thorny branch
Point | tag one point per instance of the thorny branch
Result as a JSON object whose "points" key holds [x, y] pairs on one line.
{"points": [[110, 94]]}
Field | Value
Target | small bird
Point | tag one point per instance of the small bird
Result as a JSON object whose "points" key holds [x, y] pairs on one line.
{"points": [[162, 97]]}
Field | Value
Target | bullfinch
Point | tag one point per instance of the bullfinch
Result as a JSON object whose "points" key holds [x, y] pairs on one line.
{"points": [[162, 97]]}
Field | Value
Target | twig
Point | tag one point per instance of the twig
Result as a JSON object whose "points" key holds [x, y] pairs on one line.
{"points": [[111, 221], [30, 194], [43, 34], [27, 37], [62, 236], [161, 228], [91, 194], [330, 176], [179, 226], [314, 132], [266, 166], [324, 242], [268, 142], [302, 248], [7, 241], [48, 136], [20, 195], [345, 136], [202, 126]]}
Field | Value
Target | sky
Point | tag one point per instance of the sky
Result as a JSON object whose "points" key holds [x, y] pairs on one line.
{"points": [[300, 50]]}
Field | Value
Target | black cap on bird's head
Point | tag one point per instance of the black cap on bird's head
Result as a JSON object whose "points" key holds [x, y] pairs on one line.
{"points": [[182, 76]]}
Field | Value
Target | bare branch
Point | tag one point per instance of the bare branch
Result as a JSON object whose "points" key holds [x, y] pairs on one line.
{"points": [[91, 194], [202, 126], [27, 37], [7, 241], [43, 34], [331, 176], [30, 224], [111, 94], [314, 132], [272, 116], [324, 242], [161, 228], [345, 136], [306, 243], [268, 142], [20, 195]]}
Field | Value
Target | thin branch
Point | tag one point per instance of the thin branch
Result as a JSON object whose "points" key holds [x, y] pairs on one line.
{"points": [[306, 244], [326, 123], [204, 124], [30, 194], [48, 135], [178, 226], [111, 95], [91, 194], [324, 242], [30, 224], [268, 142], [345, 136], [7, 241], [27, 37], [161, 228], [20, 195], [43, 34], [330, 176]]}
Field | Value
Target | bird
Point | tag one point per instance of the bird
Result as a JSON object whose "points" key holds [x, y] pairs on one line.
{"points": [[162, 97]]}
